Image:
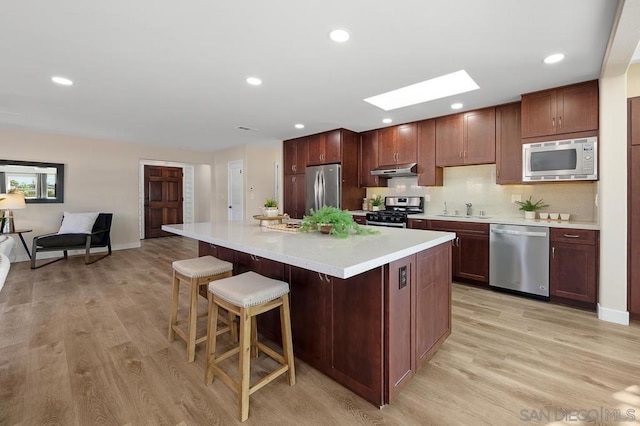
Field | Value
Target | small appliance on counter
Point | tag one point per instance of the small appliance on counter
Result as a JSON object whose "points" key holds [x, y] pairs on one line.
{"points": [[396, 211]]}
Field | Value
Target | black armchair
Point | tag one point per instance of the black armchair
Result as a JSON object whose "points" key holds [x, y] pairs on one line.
{"points": [[100, 236]]}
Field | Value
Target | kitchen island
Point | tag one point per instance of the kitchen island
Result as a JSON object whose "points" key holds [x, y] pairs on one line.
{"points": [[367, 311]]}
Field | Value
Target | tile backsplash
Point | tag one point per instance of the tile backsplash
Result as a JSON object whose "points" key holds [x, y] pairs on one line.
{"points": [[477, 185]]}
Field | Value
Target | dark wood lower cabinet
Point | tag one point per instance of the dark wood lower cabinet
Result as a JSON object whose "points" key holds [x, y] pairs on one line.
{"points": [[573, 269], [370, 332]]}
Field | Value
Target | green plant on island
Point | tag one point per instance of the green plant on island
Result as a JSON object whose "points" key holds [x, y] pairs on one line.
{"points": [[377, 201], [530, 206], [341, 220], [270, 202]]}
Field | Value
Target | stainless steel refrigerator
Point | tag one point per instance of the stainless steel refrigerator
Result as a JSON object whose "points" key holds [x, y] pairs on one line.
{"points": [[323, 185]]}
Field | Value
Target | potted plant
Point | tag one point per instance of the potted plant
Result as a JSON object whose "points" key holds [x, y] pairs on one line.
{"points": [[530, 208], [270, 207], [376, 203], [331, 220]]}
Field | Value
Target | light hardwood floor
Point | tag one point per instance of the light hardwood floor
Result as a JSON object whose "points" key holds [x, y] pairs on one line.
{"points": [[85, 345]]}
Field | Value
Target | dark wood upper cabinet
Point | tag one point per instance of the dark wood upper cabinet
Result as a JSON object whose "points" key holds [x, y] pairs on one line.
{"points": [[368, 158], [325, 148], [467, 138], [428, 173], [398, 144], [563, 110], [508, 144], [295, 156]]}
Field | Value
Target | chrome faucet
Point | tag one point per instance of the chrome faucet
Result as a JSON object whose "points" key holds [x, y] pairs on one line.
{"points": [[468, 209]]}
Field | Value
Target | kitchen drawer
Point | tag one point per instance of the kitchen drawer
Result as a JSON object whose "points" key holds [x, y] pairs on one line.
{"points": [[575, 236], [417, 224], [465, 227]]}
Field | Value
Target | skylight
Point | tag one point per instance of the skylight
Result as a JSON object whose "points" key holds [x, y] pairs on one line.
{"points": [[428, 90]]}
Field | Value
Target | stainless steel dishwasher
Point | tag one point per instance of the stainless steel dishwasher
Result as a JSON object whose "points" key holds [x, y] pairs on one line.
{"points": [[519, 258]]}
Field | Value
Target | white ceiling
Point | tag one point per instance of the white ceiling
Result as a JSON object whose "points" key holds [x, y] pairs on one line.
{"points": [[173, 73]]}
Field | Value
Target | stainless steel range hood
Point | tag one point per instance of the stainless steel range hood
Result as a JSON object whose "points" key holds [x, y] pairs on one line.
{"points": [[396, 170]]}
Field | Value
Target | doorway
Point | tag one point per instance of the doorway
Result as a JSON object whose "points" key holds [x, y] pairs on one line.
{"points": [[162, 199], [235, 191]]}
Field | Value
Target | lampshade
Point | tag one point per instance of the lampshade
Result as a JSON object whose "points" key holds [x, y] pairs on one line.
{"points": [[12, 201]]}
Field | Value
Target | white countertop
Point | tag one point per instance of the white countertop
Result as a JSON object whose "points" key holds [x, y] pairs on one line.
{"points": [[341, 258], [502, 220]]}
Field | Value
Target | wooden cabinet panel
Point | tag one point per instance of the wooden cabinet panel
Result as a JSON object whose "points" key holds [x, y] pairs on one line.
{"points": [[508, 144], [472, 257], [401, 289], [358, 333], [398, 144], [324, 148], [433, 299], [294, 195], [449, 140], [539, 114], [360, 220], [578, 108], [417, 224], [633, 114], [480, 136], [387, 145], [470, 251], [368, 158], [295, 155], [562, 110], [428, 173], [310, 317], [573, 271]]}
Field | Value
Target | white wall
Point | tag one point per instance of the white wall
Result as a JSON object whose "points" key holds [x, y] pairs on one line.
{"points": [[100, 175]]}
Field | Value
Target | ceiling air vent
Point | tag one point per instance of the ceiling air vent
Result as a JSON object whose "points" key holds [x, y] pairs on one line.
{"points": [[248, 129]]}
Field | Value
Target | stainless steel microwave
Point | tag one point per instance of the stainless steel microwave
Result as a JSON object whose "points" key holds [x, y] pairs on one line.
{"points": [[571, 159]]}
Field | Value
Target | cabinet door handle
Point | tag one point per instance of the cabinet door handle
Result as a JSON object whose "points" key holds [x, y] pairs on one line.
{"points": [[571, 236], [293, 167], [460, 154], [553, 122], [553, 252], [465, 154], [320, 276], [326, 278], [560, 121], [457, 241]]}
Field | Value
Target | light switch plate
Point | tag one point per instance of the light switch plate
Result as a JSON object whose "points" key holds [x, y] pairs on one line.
{"points": [[427, 198], [516, 197]]}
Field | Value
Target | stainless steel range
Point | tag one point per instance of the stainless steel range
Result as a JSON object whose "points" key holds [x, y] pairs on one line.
{"points": [[396, 210]]}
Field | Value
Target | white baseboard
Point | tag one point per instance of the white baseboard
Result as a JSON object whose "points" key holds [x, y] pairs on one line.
{"points": [[53, 254], [613, 315]]}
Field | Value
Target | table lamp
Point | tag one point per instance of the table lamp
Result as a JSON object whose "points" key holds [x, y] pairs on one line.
{"points": [[14, 200]]}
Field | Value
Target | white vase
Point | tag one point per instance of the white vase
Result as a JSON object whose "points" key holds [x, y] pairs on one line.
{"points": [[375, 208], [529, 215], [270, 211]]}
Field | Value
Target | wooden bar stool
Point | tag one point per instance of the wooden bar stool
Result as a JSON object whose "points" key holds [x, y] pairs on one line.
{"points": [[248, 295], [197, 272]]}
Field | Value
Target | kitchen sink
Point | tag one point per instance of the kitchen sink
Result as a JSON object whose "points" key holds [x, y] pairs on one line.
{"points": [[465, 217]]}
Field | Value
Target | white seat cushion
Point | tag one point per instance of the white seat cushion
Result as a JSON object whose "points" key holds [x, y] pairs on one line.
{"points": [[248, 289], [202, 266], [4, 269]]}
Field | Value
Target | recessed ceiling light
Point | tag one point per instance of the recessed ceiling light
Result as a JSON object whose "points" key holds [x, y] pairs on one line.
{"points": [[339, 36], [254, 81], [387, 120], [457, 105], [299, 126], [62, 81], [552, 59], [436, 88]]}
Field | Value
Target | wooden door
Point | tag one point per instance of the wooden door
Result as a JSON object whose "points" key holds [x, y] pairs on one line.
{"points": [[573, 271], [480, 136], [539, 114], [577, 108], [291, 196], [473, 257], [290, 154], [428, 173], [162, 199], [407, 143], [368, 158], [387, 146], [332, 147], [449, 140], [315, 149], [508, 144]]}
